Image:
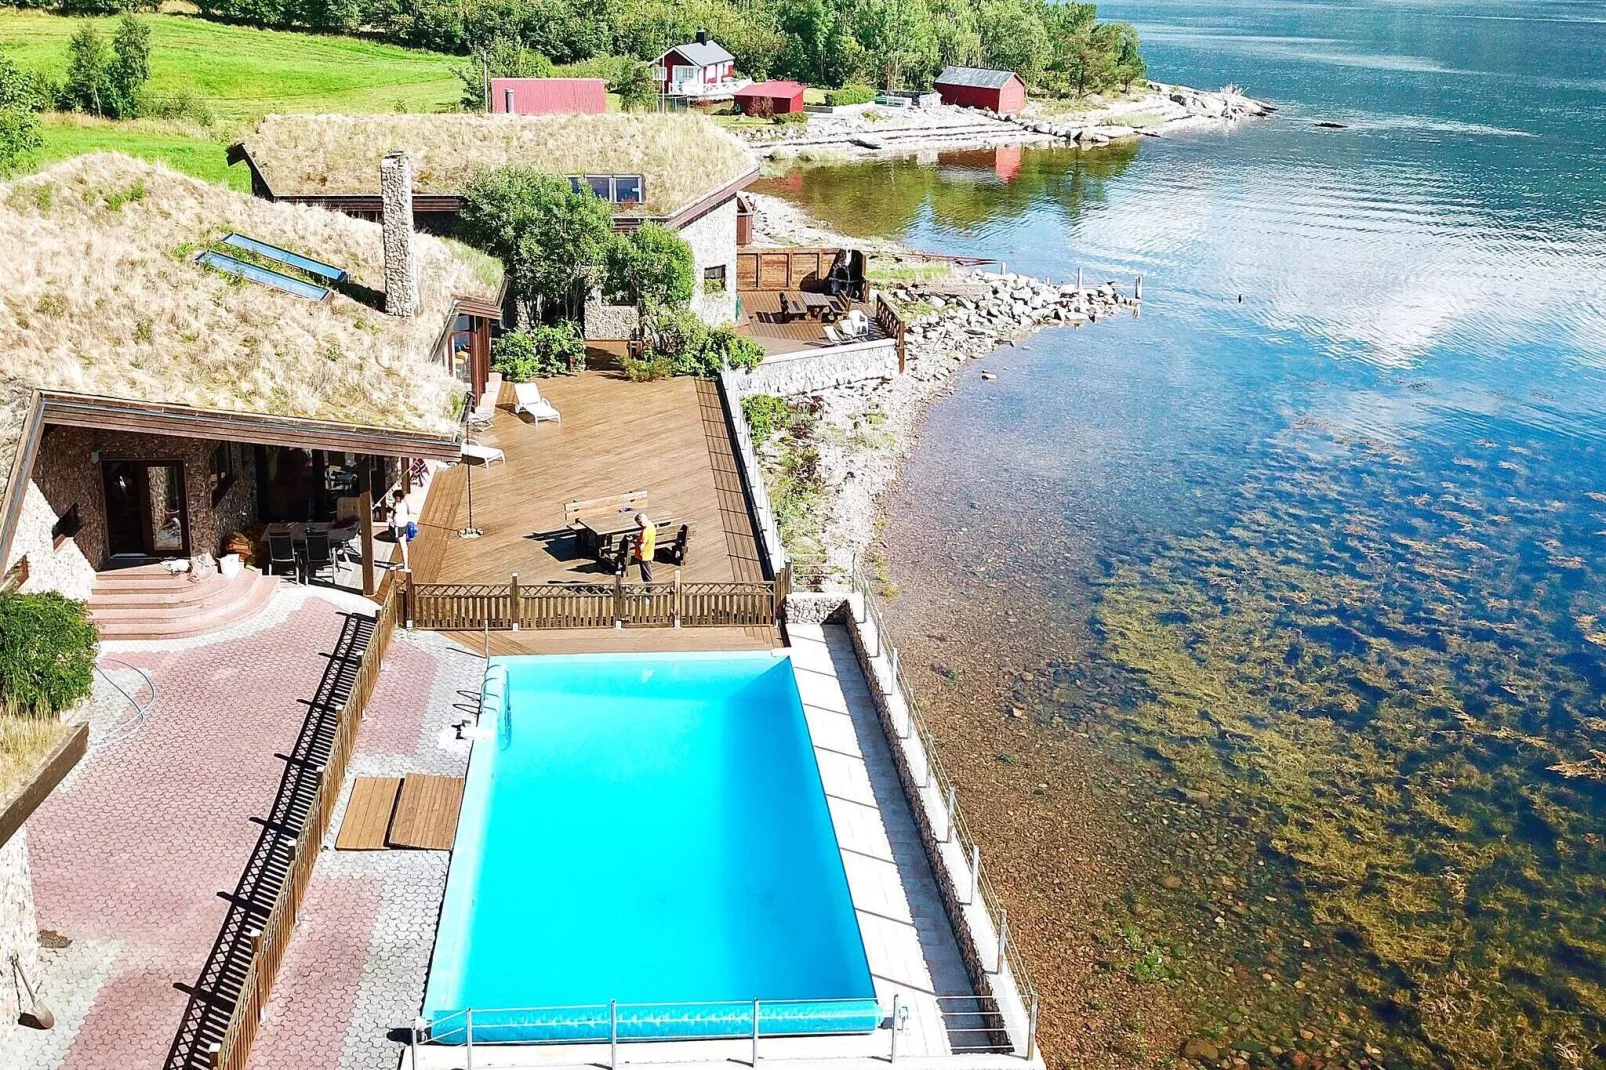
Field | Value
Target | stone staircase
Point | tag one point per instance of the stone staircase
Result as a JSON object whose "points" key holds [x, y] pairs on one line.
{"points": [[148, 602]]}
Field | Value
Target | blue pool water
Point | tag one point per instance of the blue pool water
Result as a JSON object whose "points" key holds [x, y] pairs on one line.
{"points": [[650, 830]]}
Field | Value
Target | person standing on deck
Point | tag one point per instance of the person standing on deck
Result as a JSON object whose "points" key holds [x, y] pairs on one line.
{"points": [[646, 545], [402, 527]]}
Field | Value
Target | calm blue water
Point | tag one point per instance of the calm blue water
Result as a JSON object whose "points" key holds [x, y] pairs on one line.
{"points": [[647, 829], [1320, 539]]}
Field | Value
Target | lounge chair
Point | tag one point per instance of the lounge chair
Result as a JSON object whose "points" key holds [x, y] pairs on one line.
{"points": [[831, 337], [484, 411], [528, 399], [483, 454]]}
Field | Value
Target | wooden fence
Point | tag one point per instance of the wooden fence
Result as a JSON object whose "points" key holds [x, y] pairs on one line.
{"points": [[269, 945], [507, 606], [889, 319]]}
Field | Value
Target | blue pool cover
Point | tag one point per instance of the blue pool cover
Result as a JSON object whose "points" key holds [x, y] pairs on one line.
{"points": [[649, 830]]}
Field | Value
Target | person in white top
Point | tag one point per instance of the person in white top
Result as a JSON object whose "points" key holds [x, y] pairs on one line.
{"points": [[402, 527]]}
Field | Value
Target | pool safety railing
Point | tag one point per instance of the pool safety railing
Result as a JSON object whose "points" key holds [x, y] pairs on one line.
{"points": [[977, 911], [972, 1026]]}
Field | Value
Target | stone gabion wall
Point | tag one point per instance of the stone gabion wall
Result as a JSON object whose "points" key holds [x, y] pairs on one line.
{"points": [[19, 928], [820, 369], [816, 607], [610, 323], [68, 476], [713, 243], [63, 568]]}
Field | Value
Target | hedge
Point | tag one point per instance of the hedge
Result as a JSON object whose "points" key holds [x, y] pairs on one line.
{"points": [[849, 94]]}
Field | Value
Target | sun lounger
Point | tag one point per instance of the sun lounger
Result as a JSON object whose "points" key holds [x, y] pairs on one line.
{"points": [[831, 337], [483, 454], [528, 399]]}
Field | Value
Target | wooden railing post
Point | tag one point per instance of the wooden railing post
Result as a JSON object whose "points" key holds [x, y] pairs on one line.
{"points": [[365, 511], [513, 600], [677, 597], [619, 600]]}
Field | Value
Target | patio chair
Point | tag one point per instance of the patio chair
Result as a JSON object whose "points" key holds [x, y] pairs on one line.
{"points": [[282, 553], [858, 324], [483, 454], [319, 555], [484, 411], [527, 398]]}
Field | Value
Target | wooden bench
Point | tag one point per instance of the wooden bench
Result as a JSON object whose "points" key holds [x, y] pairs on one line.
{"points": [[580, 508], [791, 306]]}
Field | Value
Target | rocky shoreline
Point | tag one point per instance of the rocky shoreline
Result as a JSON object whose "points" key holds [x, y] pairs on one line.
{"points": [[869, 130], [867, 428]]}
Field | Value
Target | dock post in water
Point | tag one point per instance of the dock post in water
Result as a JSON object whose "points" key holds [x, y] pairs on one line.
{"points": [[1140, 288]]}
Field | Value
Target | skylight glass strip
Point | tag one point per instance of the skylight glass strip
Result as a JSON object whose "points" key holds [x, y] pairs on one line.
{"points": [[285, 256], [262, 275]]}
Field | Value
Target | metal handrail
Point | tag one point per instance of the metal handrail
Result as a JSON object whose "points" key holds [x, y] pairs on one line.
{"points": [[1009, 959]]}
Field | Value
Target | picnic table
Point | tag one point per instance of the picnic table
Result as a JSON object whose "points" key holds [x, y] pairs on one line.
{"points": [[817, 305], [601, 534]]}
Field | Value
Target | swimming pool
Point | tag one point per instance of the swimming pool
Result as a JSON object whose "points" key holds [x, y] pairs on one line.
{"points": [[651, 831]]}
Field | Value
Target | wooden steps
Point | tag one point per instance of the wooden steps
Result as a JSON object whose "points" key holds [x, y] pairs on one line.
{"points": [[418, 812], [148, 602]]}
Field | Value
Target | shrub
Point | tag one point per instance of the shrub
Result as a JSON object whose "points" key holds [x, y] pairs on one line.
{"points": [[759, 108], [649, 366], [183, 103], [652, 265], [765, 414], [539, 353], [849, 94], [726, 347], [47, 652], [791, 118], [678, 334]]}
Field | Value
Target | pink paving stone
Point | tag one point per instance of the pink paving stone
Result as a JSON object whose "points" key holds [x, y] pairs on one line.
{"points": [[395, 714], [305, 1023], [155, 827]]}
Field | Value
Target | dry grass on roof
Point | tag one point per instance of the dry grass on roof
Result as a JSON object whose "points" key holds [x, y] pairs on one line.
{"points": [[103, 296], [682, 156], [25, 742]]}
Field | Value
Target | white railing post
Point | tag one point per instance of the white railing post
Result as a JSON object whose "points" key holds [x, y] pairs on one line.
{"points": [[613, 1034], [1031, 1030], [975, 873], [468, 1038], [755, 1032], [948, 829], [418, 1027], [1003, 937], [892, 1056], [892, 667]]}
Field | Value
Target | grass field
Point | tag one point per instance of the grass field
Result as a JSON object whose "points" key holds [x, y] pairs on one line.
{"points": [[241, 73]]}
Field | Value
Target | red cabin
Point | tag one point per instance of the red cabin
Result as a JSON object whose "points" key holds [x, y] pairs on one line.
{"points": [[701, 69], [784, 98], [548, 96], [1003, 92]]}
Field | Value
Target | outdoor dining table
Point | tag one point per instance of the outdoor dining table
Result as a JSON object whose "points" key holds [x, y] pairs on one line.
{"points": [[298, 531], [602, 532]]}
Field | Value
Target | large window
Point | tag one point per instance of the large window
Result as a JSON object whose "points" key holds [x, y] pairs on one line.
{"points": [[224, 471], [616, 189]]}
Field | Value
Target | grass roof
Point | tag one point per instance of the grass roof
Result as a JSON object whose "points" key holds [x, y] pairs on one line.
{"points": [[25, 742], [683, 157], [102, 295]]}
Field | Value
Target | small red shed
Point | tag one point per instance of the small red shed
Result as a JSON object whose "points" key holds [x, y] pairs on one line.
{"points": [[548, 96], [976, 87], [784, 97]]}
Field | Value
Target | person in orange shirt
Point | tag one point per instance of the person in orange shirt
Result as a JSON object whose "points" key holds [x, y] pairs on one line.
{"points": [[646, 545]]}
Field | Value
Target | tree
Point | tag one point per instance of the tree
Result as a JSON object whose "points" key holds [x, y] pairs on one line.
{"points": [[504, 57], [19, 136], [104, 81], [650, 266], [131, 67], [548, 235], [899, 35], [1013, 38], [635, 85]]}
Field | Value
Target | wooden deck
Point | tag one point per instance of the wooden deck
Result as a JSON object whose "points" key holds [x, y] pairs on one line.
{"points": [[367, 820], [668, 438], [791, 336], [426, 812]]}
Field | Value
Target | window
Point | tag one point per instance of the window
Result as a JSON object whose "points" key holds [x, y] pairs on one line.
{"points": [[616, 189], [223, 471], [714, 279]]}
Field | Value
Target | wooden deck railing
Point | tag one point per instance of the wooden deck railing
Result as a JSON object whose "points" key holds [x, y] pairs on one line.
{"points": [[270, 943], [450, 607], [890, 320]]}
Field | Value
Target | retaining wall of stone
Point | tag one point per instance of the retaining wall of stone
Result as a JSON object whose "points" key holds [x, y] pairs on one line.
{"points": [[819, 369]]}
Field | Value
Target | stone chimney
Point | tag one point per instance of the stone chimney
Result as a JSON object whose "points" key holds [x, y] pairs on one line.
{"points": [[401, 261], [510, 109]]}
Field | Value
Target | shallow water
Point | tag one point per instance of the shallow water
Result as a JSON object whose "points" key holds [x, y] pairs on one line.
{"points": [[1314, 546]]}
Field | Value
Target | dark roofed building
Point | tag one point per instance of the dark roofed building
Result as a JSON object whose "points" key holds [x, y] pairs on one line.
{"points": [[1003, 92]]}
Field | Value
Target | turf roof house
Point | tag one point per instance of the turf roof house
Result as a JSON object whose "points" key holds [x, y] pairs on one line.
{"points": [[150, 405], [677, 170]]}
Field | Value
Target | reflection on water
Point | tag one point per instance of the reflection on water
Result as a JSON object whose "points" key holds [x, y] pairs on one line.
{"points": [[1310, 553]]}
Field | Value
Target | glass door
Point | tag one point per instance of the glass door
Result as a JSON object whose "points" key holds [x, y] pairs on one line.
{"points": [[145, 509]]}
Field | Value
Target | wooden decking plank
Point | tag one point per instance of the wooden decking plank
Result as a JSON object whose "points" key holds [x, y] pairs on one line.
{"points": [[426, 812], [373, 798]]}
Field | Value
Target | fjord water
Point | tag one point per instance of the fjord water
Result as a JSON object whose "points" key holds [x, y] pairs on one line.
{"points": [[1267, 630]]}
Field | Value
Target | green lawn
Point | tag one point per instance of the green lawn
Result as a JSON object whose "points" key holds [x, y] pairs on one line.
{"points": [[241, 73]]}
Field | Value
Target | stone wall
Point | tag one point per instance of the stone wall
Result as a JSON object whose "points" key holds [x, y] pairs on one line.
{"points": [[610, 323], [819, 369], [19, 928], [62, 568], [68, 475], [713, 243]]}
